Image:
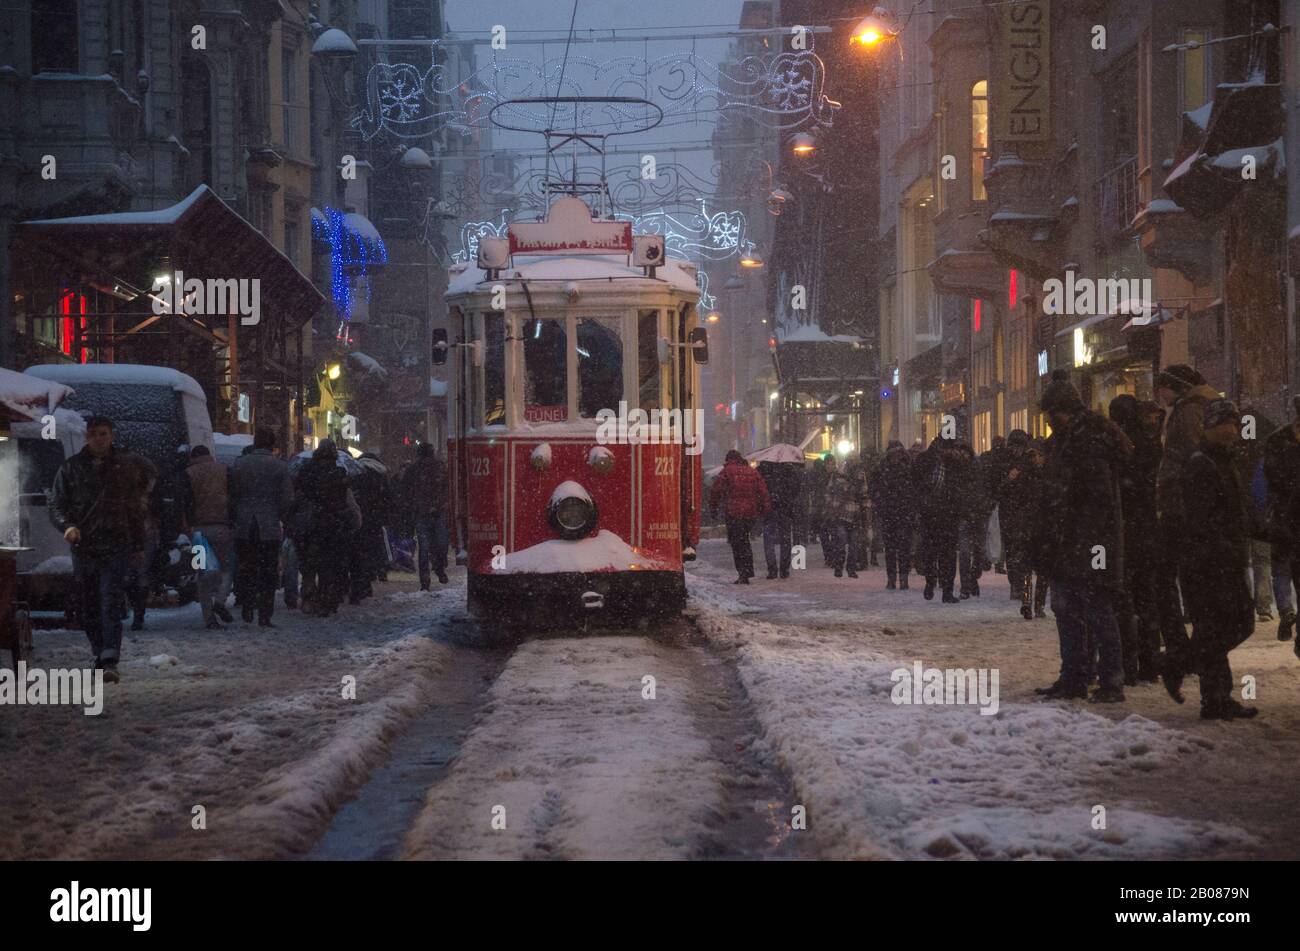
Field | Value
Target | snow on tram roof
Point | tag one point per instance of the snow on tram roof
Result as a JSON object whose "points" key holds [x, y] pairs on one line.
{"points": [[466, 278]]}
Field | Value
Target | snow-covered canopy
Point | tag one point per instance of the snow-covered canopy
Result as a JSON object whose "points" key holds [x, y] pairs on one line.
{"points": [[812, 333], [30, 396]]}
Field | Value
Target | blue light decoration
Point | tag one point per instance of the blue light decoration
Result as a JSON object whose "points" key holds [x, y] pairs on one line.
{"points": [[356, 251]]}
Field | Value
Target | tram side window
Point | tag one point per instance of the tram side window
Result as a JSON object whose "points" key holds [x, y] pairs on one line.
{"points": [[546, 372], [600, 366], [494, 370], [647, 359]]}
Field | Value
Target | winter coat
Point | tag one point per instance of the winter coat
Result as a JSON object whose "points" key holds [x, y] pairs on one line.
{"points": [[208, 492], [1017, 497], [1282, 471], [815, 493], [845, 495], [784, 481], [1182, 437], [374, 497], [891, 489], [1137, 487], [105, 499], [325, 511], [1079, 507], [425, 485], [263, 494], [976, 502], [743, 490], [1217, 555], [941, 483]]}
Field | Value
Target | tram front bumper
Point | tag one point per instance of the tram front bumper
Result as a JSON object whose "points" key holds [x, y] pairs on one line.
{"points": [[547, 600]]}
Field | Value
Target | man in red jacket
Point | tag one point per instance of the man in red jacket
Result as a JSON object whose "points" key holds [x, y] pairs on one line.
{"points": [[747, 501]]}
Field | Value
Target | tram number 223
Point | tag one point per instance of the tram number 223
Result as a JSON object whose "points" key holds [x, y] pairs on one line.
{"points": [[480, 465], [664, 466]]}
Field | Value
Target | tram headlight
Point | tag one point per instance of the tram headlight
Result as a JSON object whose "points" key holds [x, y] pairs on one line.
{"points": [[571, 512]]}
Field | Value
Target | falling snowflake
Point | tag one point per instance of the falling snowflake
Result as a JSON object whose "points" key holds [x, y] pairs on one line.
{"points": [[401, 98]]}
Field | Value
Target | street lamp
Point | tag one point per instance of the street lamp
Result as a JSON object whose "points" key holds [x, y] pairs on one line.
{"points": [[751, 259], [734, 283], [334, 44], [802, 143], [713, 317], [416, 158], [877, 27]]}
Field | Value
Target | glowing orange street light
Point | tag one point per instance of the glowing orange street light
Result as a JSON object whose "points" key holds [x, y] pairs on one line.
{"points": [[803, 144], [872, 30], [713, 317]]}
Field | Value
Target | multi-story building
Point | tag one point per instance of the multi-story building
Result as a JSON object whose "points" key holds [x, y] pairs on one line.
{"points": [[1053, 203], [136, 138]]}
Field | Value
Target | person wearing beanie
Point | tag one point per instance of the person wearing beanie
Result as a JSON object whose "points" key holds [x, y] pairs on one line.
{"points": [[942, 473], [1078, 542], [1282, 476], [1217, 593], [1017, 495], [206, 503], [1184, 394]]}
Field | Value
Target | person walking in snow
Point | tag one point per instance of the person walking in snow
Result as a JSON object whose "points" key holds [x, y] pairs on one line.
{"points": [[1218, 556], [941, 473], [1139, 616], [784, 481], [740, 491], [263, 494], [1185, 394], [206, 503], [1282, 476], [893, 506], [330, 518], [425, 487], [1079, 541], [97, 504], [845, 497]]}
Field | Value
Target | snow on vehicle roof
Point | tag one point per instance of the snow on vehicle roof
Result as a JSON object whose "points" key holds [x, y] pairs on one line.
{"points": [[575, 267], [123, 373], [605, 552], [28, 396]]}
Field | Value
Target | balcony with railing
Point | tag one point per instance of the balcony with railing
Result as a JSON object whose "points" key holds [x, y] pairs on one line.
{"points": [[1115, 197]]}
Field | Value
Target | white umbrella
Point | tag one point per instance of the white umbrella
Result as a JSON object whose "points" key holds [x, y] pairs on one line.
{"points": [[777, 452]]}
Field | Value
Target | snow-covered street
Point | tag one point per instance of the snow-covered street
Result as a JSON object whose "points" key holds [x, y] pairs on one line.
{"points": [[766, 702]]}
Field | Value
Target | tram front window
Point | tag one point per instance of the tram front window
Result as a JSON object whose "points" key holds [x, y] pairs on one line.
{"points": [[600, 366], [546, 376]]}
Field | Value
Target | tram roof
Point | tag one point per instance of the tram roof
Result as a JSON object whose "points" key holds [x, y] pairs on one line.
{"points": [[679, 274]]}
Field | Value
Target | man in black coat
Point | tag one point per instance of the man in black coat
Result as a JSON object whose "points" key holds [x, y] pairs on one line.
{"points": [[784, 487], [1139, 612], [1216, 561], [941, 473], [1079, 541], [893, 507], [1017, 494], [98, 503]]}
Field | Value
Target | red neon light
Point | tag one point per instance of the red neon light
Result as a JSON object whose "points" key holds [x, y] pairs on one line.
{"points": [[65, 308], [977, 321], [1011, 289]]}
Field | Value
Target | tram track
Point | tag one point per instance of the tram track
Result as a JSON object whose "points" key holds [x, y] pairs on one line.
{"points": [[556, 729]]}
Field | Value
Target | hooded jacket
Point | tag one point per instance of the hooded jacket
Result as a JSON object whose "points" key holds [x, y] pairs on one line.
{"points": [[742, 489]]}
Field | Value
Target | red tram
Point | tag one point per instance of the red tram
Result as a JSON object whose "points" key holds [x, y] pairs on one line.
{"points": [[574, 429]]}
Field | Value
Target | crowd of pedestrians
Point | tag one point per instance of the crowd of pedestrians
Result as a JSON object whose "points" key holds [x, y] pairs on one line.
{"points": [[1138, 523], [318, 530]]}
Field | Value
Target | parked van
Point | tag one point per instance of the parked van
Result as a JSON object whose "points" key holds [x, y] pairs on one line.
{"points": [[154, 410]]}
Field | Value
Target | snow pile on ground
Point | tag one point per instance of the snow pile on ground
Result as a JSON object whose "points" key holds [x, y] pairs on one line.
{"points": [[577, 762], [250, 724], [882, 780]]}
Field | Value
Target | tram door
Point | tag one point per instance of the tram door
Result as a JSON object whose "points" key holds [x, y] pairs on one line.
{"points": [[690, 463]]}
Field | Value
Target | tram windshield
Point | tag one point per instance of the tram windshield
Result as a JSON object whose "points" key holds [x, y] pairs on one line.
{"points": [[546, 372], [600, 365]]}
